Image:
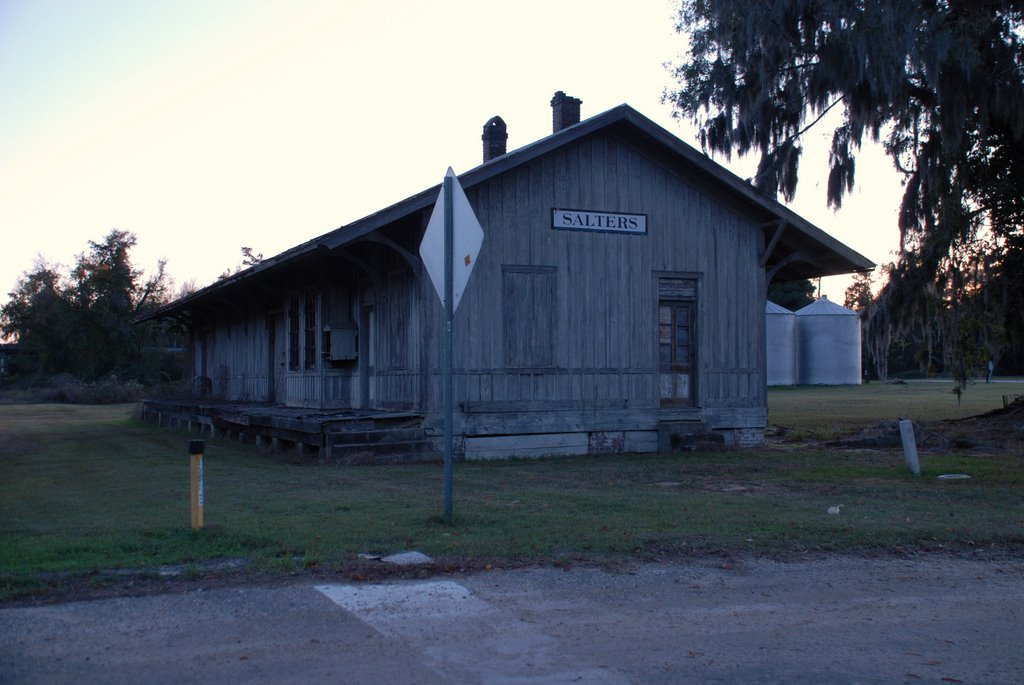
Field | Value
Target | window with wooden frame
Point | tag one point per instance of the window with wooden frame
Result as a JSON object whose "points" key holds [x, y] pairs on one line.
{"points": [[339, 342], [677, 341], [293, 333], [310, 330]]}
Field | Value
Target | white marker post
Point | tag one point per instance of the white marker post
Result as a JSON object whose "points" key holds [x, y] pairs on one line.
{"points": [[910, 446], [449, 250]]}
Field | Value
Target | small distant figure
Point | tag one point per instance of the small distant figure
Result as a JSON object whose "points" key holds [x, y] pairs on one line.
{"points": [[991, 368]]}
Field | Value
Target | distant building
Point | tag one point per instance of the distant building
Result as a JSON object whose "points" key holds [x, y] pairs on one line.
{"points": [[617, 303]]}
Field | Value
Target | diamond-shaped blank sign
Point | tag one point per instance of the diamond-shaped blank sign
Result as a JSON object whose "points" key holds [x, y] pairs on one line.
{"points": [[467, 237]]}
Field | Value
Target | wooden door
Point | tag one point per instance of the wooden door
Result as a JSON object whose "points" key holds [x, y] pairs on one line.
{"points": [[676, 352], [271, 358], [277, 358], [367, 357]]}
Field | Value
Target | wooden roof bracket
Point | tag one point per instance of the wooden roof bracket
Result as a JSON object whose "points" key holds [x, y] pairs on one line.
{"points": [[780, 226], [414, 262], [375, 277], [788, 259]]}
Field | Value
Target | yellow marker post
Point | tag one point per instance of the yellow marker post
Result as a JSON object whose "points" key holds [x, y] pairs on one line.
{"points": [[195, 450]]}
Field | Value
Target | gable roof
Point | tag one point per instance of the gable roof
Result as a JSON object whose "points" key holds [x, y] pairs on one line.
{"points": [[796, 248]]}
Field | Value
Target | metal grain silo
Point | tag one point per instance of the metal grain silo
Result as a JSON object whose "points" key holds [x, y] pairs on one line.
{"points": [[780, 339], [828, 344]]}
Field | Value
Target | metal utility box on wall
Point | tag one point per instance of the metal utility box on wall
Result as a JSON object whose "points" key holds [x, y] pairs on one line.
{"points": [[344, 343]]}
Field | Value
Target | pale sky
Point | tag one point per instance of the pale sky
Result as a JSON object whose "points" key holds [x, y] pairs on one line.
{"points": [[205, 125]]}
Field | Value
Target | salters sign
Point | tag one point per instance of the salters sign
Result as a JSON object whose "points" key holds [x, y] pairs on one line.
{"points": [[585, 220]]}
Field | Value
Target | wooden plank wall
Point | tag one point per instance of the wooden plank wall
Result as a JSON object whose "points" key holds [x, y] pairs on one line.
{"points": [[604, 306], [396, 373], [606, 283], [237, 356]]}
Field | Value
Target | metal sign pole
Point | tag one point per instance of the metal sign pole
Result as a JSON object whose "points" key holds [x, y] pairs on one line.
{"points": [[449, 310], [452, 227]]}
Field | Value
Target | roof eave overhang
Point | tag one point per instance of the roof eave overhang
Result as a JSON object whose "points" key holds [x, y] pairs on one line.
{"points": [[819, 254]]}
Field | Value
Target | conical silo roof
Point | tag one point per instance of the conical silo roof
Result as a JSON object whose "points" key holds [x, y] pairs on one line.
{"points": [[772, 308], [825, 307]]}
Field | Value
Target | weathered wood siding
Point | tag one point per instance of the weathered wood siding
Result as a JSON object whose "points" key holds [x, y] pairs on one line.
{"points": [[398, 338], [602, 312], [557, 332], [234, 354]]}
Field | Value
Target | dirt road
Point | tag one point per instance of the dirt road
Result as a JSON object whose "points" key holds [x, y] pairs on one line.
{"points": [[936, 619]]}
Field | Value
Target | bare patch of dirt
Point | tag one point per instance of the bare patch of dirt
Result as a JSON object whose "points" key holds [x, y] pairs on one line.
{"points": [[720, 485], [997, 431], [72, 587], [1001, 429]]}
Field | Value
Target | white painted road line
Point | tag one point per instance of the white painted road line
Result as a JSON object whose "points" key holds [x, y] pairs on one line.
{"points": [[395, 608], [464, 638]]}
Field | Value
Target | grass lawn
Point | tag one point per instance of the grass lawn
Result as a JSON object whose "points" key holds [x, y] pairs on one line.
{"points": [[88, 488], [835, 409]]}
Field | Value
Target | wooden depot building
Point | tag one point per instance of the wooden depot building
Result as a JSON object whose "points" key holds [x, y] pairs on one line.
{"points": [[617, 305]]}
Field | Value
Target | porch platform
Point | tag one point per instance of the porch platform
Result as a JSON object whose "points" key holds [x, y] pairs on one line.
{"points": [[348, 436]]}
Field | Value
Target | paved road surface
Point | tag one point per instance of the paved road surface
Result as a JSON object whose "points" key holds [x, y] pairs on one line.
{"points": [[832, 620]]}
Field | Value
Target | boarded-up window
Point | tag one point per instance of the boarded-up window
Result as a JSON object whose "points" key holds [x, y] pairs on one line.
{"points": [[677, 342], [529, 304]]}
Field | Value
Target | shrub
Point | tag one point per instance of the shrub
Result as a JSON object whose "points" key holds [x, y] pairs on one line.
{"points": [[110, 390]]}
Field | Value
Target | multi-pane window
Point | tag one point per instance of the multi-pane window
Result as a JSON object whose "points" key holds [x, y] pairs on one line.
{"points": [[310, 330], [293, 334], [303, 334]]}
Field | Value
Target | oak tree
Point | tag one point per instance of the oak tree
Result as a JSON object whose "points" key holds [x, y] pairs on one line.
{"points": [[939, 83], [84, 323]]}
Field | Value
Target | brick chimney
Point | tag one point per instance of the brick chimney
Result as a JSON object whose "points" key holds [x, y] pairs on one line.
{"points": [[495, 138], [565, 111]]}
